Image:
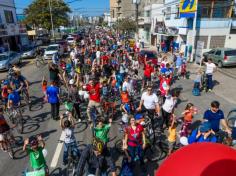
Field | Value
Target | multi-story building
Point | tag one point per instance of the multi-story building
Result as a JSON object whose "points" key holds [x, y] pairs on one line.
{"points": [[215, 26], [113, 10], [9, 28]]}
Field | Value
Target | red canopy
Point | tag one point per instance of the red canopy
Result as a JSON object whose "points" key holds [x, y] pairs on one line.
{"points": [[200, 159]]}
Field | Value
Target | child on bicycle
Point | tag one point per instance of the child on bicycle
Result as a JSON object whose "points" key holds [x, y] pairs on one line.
{"points": [[35, 149], [172, 135], [70, 140], [101, 130], [4, 93]]}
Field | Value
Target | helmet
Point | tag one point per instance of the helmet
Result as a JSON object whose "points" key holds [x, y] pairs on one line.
{"points": [[97, 144], [71, 81]]}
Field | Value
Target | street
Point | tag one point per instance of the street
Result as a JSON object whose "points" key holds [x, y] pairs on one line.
{"points": [[38, 121]]}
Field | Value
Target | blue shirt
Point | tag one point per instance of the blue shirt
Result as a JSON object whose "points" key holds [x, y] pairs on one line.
{"points": [[14, 97], [52, 93], [214, 118], [193, 138], [178, 61]]}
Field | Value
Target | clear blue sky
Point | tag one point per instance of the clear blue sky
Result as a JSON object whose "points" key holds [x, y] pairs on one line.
{"points": [[87, 7]]}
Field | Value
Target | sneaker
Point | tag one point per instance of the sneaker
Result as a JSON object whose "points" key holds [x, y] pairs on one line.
{"points": [[209, 90]]}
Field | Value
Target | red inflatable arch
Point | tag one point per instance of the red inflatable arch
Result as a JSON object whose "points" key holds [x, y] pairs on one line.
{"points": [[200, 159]]}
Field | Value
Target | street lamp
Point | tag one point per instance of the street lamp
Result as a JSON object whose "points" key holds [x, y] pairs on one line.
{"points": [[136, 2], [50, 9]]}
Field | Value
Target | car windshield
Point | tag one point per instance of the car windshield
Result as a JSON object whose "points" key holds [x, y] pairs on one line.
{"points": [[230, 53], [3, 57], [70, 38], [52, 48]]}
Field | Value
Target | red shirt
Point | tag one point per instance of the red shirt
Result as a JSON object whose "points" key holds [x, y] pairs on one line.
{"points": [[164, 82], [105, 59], [94, 92], [134, 136], [148, 71]]}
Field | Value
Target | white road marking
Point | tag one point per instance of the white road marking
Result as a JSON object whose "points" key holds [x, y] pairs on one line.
{"points": [[57, 151]]}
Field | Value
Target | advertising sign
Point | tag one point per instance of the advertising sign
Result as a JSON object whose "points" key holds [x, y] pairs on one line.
{"points": [[187, 8], [198, 57]]}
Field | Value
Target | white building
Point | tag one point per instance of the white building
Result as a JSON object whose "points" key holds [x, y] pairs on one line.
{"points": [[107, 19], [9, 28]]}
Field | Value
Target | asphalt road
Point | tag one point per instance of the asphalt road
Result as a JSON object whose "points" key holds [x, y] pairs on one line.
{"points": [[38, 121]]}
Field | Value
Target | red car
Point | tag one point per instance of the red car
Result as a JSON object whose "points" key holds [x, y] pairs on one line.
{"points": [[151, 56]]}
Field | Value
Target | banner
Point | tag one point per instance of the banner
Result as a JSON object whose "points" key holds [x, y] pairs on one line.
{"points": [[187, 8]]}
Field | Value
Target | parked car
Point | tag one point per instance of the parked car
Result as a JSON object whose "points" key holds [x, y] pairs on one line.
{"points": [[52, 49], [221, 56], [8, 59], [28, 51], [151, 56]]}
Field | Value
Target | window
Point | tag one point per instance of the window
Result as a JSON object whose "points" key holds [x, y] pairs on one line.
{"points": [[218, 53], [9, 16], [168, 13], [230, 53], [176, 12]]}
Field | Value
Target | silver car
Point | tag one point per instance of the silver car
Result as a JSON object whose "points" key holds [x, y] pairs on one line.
{"points": [[8, 59], [28, 52]]}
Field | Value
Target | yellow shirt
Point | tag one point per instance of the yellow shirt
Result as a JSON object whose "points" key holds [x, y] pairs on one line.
{"points": [[172, 135]]}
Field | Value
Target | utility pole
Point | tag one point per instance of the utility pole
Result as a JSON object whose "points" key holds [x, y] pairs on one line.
{"points": [[136, 2], [50, 9], [194, 34]]}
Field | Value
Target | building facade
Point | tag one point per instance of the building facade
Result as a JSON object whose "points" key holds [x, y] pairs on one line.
{"points": [[113, 10], [9, 29]]}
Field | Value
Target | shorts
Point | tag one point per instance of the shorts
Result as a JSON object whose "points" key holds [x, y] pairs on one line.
{"points": [[171, 145], [147, 78]]}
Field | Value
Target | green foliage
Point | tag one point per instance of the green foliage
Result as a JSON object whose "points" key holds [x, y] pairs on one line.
{"points": [[126, 25], [38, 13]]}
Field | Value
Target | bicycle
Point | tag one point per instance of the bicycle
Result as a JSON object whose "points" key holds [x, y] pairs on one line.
{"points": [[72, 163], [9, 141], [26, 98], [16, 118], [40, 61]]}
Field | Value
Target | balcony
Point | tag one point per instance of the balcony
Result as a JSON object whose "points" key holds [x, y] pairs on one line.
{"points": [[211, 23], [147, 20]]}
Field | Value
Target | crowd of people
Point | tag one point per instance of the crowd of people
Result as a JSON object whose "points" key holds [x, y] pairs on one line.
{"points": [[103, 72]]}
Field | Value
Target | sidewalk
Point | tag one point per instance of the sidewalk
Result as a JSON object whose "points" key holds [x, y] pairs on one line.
{"points": [[224, 87]]}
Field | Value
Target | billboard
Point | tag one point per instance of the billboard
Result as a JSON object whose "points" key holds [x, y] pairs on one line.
{"points": [[187, 8]]}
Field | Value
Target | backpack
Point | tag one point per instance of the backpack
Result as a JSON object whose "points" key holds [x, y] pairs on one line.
{"points": [[196, 92]]}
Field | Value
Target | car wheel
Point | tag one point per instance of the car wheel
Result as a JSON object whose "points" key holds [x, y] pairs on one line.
{"points": [[220, 64]]}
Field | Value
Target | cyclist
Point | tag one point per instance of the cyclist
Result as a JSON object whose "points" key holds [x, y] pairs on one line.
{"points": [[101, 130], [4, 128], [70, 140], [215, 116], [13, 98], [134, 142], [97, 159], [35, 152], [149, 102], [94, 88]]}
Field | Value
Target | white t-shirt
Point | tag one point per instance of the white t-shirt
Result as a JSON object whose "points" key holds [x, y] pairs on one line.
{"points": [[135, 64], [98, 54], [210, 68], [69, 135], [169, 104], [149, 101], [126, 86]]}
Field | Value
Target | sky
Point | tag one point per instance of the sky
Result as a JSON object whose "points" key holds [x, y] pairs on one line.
{"points": [[84, 7]]}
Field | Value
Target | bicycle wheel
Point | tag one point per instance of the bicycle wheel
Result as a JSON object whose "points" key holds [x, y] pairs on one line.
{"points": [[19, 123], [10, 152], [153, 153], [70, 168]]}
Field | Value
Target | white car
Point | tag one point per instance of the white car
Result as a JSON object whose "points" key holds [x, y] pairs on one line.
{"points": [[70, 40], [52, 49]]}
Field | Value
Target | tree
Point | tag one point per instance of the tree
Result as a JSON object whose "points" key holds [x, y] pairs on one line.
{"points": [[38, 14], [126, 25]]}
